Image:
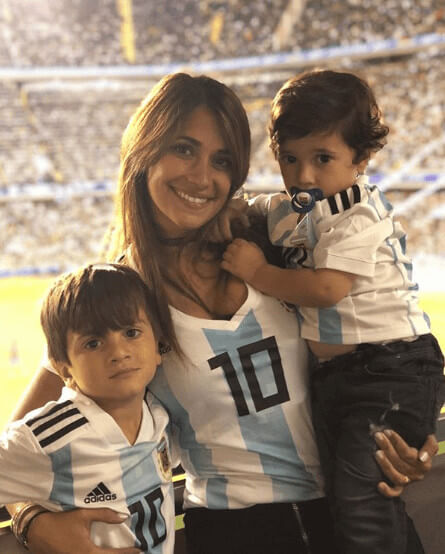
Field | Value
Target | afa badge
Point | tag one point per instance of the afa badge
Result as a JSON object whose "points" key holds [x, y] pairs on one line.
{"points": [[164, 459]]}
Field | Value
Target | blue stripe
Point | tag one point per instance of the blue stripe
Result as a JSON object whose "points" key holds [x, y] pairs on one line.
{"points": [[198, 454], [329, 325], [265, 432], [62, 491], [140, 476], [281, 210]]}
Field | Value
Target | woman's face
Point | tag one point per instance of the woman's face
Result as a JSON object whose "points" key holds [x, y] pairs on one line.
{"points": [[191, 182]]}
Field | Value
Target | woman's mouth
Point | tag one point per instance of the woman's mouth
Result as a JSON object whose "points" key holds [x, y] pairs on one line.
{"points": [[192, 199]]}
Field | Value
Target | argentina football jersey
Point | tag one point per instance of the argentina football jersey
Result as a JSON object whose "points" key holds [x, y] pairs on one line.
{"points": [[72, 454], [245, 433]]}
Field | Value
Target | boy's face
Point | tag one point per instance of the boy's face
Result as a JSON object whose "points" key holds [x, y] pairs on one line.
{"points": [[113, 368], [320, 160]]}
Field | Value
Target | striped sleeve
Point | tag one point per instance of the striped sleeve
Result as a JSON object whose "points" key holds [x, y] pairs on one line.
{"points": [[25, 470], [55, 426]]}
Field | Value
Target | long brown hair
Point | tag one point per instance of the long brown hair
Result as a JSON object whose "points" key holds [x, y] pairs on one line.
{"points": [[150, 132]]}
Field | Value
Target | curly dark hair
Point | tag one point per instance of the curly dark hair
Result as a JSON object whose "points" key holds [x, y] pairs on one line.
{"points": [[324, 101]]}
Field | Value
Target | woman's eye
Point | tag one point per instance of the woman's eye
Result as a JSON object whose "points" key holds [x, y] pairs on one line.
{"points": [[132, 333], [223, 163], [182, 149], [92, 344]]}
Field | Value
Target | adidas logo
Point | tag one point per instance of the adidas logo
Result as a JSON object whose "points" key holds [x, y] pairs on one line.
{"points": [[101, 493]]}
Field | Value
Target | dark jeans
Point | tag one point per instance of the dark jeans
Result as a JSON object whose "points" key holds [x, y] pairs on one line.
{"points": [[398, 386], [303, 528]]}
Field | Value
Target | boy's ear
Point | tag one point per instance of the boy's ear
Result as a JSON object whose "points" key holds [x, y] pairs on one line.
{"points": [[361, 166], [63, 371]]}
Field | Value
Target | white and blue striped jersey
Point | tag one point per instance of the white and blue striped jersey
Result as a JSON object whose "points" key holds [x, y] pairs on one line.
{"points": [[72, 454], [240, 409], [352, 231]]}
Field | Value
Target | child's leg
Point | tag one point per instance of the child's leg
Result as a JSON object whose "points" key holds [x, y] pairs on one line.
{"points": [[399, 386]]}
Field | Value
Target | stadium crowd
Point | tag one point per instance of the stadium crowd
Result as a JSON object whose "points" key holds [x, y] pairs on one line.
{"points": [[81, 32], [69, 132]]}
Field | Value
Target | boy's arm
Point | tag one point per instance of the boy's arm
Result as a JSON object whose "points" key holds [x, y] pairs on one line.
{"points": [[306, 287], [25, 471]]}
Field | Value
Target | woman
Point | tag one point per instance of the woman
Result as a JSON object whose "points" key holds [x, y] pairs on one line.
{"points": [[233, 376]]}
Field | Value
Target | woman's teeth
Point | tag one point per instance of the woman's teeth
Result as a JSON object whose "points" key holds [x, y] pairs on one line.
{"points": [[192, 199]]}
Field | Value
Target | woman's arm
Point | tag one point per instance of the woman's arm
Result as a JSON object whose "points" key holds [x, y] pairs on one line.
{"points": [[44, 386], [69, 532]]}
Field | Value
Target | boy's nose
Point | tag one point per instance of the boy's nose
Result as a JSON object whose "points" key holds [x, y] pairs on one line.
{"points": [[119, 349], [305, 176]]}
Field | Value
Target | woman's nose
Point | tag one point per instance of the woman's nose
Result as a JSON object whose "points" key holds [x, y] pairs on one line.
{"points": [[200, 172]]}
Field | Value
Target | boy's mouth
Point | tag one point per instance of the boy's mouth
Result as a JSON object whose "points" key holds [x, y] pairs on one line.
{"points": [[303, 200]]}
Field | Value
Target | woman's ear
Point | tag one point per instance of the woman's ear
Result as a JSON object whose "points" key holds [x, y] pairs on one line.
{"points": [[63, 370]]}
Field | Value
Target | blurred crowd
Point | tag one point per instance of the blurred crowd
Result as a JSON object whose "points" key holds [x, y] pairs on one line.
{"points": [[63, 133], [85, 32]]}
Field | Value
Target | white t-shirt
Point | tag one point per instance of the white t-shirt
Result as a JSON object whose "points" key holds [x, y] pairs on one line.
{"points": [[72, 454], [240, 409], [352, 231]]}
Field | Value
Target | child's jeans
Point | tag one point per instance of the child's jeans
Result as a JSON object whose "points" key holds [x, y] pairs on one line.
{"points": [[397, 386]]}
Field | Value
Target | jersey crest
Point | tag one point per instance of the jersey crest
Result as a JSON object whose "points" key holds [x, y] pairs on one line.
{"points": [[164, 459]]}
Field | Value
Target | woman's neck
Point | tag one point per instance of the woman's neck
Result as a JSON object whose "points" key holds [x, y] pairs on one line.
{"points": [[197, 286]]}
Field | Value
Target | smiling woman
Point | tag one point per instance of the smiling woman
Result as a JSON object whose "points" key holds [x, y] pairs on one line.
{"points": [[190, 184]]}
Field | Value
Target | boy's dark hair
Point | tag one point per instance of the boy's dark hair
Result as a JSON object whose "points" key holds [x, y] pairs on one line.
{"points": [[324, 101], [93, 300]]}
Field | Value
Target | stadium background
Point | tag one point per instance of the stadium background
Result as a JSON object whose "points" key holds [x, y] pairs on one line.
{"points": [[72, 72]]}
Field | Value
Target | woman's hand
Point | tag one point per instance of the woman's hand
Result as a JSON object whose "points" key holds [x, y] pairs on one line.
{"points": [[69, 532], [402, 463]]}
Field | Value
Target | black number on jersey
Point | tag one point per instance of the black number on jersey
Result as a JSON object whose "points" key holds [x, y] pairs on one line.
{"points": [[149, 510], [261, 402]]}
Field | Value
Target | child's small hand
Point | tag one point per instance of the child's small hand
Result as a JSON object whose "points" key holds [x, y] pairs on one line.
{"points": [[243, 259]]}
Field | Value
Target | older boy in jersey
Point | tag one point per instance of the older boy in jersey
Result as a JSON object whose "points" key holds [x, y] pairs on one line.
{"points": [[103, 443], [375, 365]]}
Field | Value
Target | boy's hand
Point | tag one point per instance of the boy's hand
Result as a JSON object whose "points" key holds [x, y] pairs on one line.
{"points": [[221, 230], [243, 259]]}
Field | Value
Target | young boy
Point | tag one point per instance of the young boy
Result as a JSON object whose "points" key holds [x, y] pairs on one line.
{"points": [[103, 443], [374, 363]]}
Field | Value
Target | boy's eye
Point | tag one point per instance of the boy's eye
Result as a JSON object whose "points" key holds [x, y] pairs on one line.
{"points": [[92, 344], [288, 159], [132, 333], [324, 158]]}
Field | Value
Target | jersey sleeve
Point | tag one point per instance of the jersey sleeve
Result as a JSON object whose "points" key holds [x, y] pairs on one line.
{"points": [[25, 470], [351, 244]]}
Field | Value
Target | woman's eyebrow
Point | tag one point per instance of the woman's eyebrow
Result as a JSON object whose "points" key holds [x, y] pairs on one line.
{"points": [[199, 143], [190, 139]]}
